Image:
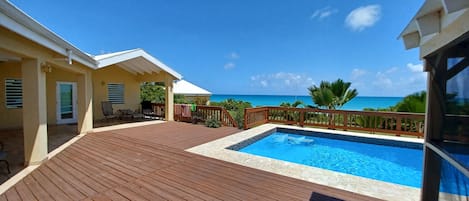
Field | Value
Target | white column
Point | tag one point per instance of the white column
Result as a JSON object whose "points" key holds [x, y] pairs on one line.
{"points": [[85, 103], [169, 97], [34, 112]]}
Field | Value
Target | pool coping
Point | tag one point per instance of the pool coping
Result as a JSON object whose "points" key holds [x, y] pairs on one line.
{"points": [[384, 190]]}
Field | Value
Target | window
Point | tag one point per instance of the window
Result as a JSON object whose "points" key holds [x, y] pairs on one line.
{"points": [[13, 93], [115, 93]]}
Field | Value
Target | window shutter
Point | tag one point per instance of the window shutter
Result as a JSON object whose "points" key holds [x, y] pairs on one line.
{"points": [[116, 93], [13, 93]]}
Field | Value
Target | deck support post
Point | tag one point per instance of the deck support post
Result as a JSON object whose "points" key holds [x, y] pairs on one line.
{"points": [[85, 103], [34, 112], [169, 99]]}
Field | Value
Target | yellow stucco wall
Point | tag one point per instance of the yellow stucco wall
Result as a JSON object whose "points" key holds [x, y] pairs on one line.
{"points": [[21, 47], [13, 118], [115, 74], [9, 118]]}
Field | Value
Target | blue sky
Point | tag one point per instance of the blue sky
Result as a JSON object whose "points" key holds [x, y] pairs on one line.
{"points": [[251, 47]]}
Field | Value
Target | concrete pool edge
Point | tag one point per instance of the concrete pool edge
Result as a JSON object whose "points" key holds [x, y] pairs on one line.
{"points": [[374, 188]]}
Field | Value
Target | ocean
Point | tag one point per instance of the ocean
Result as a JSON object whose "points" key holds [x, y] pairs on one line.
{"points": [[358, 103]]}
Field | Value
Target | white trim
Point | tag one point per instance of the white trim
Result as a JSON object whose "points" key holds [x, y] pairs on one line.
{"points": [[119, 57], [19, 22], [74, 103], [433, 17]]}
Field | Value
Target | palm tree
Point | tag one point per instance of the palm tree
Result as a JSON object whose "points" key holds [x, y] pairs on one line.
{"points": [[413, 103], [297, 103], [332, 95]]}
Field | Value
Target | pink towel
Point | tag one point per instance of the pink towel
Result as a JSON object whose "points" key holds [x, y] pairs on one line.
{"points": [[186, 110], [177, 109]]}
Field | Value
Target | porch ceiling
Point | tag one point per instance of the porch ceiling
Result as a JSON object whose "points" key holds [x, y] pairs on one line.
{"points": [[139, 66], [135, 61]]}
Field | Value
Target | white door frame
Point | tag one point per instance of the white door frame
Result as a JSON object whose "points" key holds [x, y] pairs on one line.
{"points": [[74, 103]]}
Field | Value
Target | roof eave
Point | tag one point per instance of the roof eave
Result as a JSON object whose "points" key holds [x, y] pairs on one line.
{"points": [[19, 22], [131, 54]]}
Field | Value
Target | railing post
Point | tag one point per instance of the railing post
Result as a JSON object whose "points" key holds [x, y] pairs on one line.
{"points": [[266, 115], [398, 124], [345, 120], [245, 118], [302, 117]]}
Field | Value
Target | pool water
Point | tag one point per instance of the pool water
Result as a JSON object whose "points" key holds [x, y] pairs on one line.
{"points": [[399, 165]]}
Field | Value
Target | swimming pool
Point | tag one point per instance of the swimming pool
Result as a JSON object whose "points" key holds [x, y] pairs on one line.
{"points": [[226, 149], [399, 163]]}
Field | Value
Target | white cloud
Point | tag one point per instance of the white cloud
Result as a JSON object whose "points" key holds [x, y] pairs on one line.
{"points": [[357, 73], [383, 81], [282, 80], [363, 17], [233, 56], [323, 13], [229, 65], [415, 67], [392, 70]]}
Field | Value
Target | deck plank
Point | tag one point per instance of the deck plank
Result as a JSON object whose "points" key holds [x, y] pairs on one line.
{"points": [[12, 195], [144, 192], [71, 191], [149, 163], [52, 189], [24, 191], [98, 164], [129, 194], [69, 178], [37, 190]]}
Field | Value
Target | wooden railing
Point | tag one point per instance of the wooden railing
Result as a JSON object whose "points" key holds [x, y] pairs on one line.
{"points": [[202, 113], [215, 112], [385, 122]]}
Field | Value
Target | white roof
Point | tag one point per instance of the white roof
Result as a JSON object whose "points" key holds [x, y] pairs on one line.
{"points": [[19, 22], [186, 88], [432, 17], [135, 61]]}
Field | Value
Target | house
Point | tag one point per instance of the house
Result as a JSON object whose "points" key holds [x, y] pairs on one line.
{"points": [[440, 29], [45, 80], [192, 92]]}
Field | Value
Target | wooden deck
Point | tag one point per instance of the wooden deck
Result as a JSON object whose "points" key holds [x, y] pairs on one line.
{"points": [[149, 163]]}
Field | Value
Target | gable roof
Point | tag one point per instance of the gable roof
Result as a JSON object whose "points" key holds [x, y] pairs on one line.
{"points": [[19, 22], [186, 88], [135, 61]]}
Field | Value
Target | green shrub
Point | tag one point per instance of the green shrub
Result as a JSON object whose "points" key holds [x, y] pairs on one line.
{"points": [[235, 108], [212, 122]]}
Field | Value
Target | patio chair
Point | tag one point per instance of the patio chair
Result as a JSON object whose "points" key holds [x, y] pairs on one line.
{"points": [[3, 157], [147, 110], [128, 113], [108, 111]]}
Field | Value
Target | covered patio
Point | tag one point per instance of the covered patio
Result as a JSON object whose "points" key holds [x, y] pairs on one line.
{"points": [[51, 91]]}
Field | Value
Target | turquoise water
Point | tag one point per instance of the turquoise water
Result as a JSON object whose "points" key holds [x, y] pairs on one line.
{"points": [[358, 103], [397, 165]]}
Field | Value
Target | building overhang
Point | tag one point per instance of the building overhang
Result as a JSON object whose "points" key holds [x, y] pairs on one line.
{"points": [[433, 18], [135, 61], [19, 22]]}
